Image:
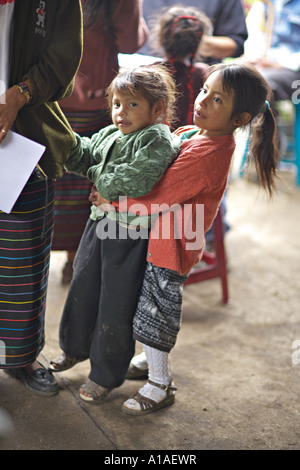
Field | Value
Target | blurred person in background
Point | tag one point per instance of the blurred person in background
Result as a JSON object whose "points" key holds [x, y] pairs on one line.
{"points": [[278, 61], [229, 26], [177, 35]]}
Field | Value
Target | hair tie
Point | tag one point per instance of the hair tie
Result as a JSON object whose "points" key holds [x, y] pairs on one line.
{"points": [[267, 106], [187, 17]]}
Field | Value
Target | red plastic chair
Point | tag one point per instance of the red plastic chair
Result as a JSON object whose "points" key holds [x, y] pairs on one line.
{"points": [[215, 262]]}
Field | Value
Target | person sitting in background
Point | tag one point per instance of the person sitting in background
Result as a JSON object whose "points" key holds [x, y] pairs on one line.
{"points": [[177, 35], [229, 26], [279, 63]]}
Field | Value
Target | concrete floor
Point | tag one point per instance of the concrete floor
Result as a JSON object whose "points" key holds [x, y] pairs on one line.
{"points": [[234, 365]]}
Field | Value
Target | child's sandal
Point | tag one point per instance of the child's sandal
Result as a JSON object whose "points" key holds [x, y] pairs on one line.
{"points": [[134, 373], [147, 405], [93, 393], [63, 362]]}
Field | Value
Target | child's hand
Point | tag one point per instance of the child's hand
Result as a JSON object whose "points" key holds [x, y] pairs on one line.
{"points": [[94, 195], [97, 200]]}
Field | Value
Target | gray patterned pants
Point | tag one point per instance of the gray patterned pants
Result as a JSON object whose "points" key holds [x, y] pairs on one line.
{"points": [[157, 319]]}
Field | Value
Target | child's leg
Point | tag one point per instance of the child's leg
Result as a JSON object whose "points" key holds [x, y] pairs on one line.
{"points": [[156, 324], [123, 261], [159, 391], [81, 306], [157, 319], [158, 365], [138, 368]]}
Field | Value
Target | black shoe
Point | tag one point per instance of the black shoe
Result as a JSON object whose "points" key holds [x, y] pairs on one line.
{"points": [[40, 380]]}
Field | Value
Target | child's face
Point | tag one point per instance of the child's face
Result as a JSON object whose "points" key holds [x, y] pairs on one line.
{"points": [[130, 114], [213, 108]]}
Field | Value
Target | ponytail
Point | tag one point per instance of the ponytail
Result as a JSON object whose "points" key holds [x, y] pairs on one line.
{"points": [[264, 149]]}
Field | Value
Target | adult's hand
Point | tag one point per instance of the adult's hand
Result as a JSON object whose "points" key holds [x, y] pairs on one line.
{"points": [[10, 104], [265, 64], [217, 46]]}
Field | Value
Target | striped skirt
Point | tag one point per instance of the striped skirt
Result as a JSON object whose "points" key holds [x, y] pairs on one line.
{"points": [[25, 244], [71, 206]]}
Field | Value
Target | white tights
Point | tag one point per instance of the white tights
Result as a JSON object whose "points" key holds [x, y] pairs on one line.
{"points": [[159, 372]]}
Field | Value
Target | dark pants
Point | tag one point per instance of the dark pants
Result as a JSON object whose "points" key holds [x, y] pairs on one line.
{"points": [[98, 313]]}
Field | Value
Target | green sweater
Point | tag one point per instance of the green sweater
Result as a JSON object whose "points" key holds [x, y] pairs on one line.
{"points": [[49, 56], [124, 165]]}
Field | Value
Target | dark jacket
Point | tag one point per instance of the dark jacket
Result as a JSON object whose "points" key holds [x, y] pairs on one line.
{"points": [[47, 50]]}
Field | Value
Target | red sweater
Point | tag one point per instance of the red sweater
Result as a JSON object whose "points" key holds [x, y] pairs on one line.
{"points": [[198, 176]]}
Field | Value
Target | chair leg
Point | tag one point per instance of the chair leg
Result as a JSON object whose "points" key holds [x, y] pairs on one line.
{"points": [[244, 158], [216, 262], [297, 142], [220, 254]]}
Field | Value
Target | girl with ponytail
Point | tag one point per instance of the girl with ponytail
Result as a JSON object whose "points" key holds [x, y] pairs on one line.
{"points": [[233, 95]]}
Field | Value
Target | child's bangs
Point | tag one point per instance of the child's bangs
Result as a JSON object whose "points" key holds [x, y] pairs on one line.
{"points": [[127, 85]]}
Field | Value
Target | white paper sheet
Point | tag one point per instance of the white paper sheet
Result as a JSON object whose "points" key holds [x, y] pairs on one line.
{"points": [[18, 158], [134, 60]]}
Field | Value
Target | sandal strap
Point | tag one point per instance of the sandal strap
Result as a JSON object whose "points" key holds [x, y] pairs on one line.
{"points": [[166, 388], [63, 362], [94, 389], [144, 402], [148, 405]]}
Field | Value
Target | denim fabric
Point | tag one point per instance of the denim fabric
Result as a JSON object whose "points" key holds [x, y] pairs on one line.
{"points": [[287, 24], [285, 47]]}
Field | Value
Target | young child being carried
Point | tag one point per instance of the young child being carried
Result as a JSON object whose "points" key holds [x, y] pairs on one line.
{"points": [[126, 158]]}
